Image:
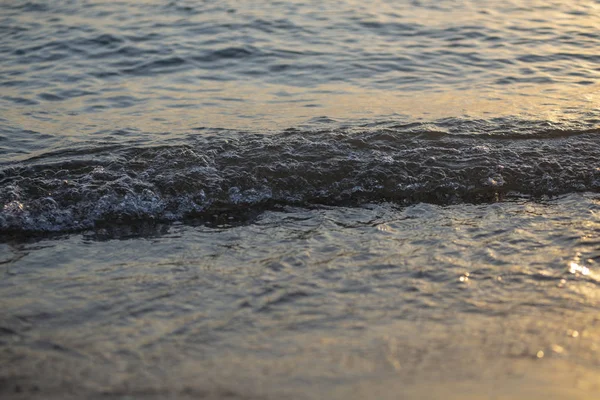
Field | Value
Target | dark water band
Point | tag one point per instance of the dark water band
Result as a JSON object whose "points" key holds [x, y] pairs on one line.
{"points": [[233, 174]]}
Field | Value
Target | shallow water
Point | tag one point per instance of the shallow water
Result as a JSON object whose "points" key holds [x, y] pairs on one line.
{"points": [[497, 300], [303, 200]]}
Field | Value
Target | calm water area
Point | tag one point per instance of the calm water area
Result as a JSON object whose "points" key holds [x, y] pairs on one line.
{"points": [[300, 199]]}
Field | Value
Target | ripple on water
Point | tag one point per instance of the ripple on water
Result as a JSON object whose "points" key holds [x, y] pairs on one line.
{"points": [[324, 292], [374, 51]]}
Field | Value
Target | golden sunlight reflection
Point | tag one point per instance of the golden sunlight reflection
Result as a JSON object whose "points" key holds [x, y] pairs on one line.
{"points": [[575, 268], [572, 333]]}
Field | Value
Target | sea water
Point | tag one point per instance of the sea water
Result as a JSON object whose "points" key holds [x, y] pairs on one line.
{"points": [[300, 199]]}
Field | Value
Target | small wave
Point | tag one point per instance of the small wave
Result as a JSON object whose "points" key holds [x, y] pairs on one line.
{"points": [[162, 65], [405, 164], [227, 53]]}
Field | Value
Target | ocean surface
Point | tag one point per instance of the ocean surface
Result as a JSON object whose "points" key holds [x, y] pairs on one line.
{"points": [[300, 199]]}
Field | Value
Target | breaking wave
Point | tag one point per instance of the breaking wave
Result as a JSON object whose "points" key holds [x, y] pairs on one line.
{"points": [[233, 174]]}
